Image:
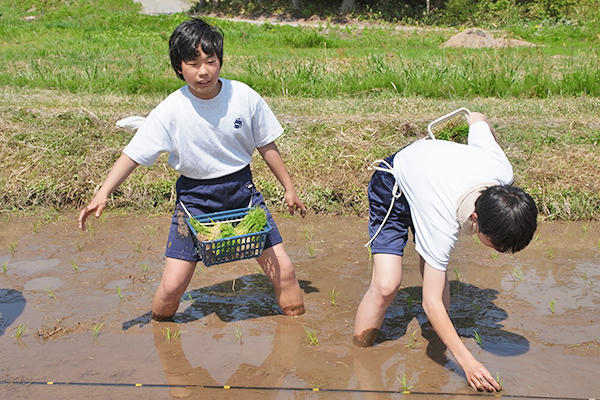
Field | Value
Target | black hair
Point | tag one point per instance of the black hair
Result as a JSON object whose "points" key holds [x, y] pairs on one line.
{"points": [[185, 39], [507, 216]]}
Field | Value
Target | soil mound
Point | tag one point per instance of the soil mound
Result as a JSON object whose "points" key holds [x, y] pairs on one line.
{"points": [[478, 38]]}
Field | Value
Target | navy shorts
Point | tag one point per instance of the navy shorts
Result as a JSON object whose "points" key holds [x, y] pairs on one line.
{"points": [[203, 196], [394, 234]]}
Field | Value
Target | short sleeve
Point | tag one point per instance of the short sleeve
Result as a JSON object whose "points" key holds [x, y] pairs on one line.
{"points": [[481, 136], [265, 126], [150, 140]]}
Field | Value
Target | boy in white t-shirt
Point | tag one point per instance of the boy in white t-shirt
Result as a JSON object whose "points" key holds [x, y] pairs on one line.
{"points": [[209, 128], [447, 188]]}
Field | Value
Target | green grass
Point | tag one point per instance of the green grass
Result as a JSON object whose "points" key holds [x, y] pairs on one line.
{"points": [[107, 47], [346, 96]]}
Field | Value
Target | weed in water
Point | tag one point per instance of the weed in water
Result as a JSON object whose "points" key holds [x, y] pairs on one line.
{"points": [[412, 341], [477, 337], [12, 247], [51, 294], [237, 332], [4, 266], [585, 228], [75, 266], [551, 306], [311, 336], [21, 329], [404, 382], [333, 293], [96, 329], [517, 273]]}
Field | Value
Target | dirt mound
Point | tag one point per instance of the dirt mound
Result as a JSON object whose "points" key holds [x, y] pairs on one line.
{"points": [[478, 38]]}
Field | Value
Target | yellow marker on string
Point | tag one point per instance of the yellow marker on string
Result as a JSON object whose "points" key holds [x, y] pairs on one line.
{"points": [[138, 384], [316, 389], [49, 383], [226, 387]]}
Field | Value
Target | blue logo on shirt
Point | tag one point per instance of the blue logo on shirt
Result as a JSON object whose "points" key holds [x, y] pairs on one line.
{"points": [[238, 123]]}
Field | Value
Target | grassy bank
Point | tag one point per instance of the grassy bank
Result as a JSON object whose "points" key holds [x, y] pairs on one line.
{"points": [[346, 96], [56, 148]]}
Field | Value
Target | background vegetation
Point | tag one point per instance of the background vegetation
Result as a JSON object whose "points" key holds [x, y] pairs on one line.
{"points": [[346, 94]]}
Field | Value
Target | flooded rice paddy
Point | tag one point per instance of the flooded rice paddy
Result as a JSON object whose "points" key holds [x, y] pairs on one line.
{"points": [[74, 311]]}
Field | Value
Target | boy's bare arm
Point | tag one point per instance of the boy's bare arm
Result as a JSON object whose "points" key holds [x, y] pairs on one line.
{"points": [[434, 282], [476, 117], [270, 153], [121, 169]]}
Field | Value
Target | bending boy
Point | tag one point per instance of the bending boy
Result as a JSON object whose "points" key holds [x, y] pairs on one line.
{"points": [[447, 189], [210, 128]]}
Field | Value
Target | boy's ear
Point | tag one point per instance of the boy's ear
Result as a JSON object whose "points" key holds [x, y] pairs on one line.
{"points": [[473, 219]]}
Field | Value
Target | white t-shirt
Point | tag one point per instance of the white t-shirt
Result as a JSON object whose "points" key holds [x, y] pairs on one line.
{"points": [[206, 139], [434, 176]]}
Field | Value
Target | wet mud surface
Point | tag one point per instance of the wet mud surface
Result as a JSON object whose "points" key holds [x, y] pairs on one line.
{"points": [[83, 299]]}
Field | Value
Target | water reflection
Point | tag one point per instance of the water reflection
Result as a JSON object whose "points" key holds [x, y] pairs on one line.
{"points": [[247, 297], [12, 304], [472, 310]]}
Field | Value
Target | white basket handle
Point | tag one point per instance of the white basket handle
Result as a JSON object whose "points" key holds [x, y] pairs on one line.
{"points": [[460, 111]]}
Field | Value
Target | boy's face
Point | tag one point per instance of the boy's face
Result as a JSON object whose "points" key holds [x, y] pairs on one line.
{"points": [[202, 75]]}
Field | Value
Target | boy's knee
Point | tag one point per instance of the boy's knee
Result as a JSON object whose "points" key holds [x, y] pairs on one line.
{"points": [[385, 290]]}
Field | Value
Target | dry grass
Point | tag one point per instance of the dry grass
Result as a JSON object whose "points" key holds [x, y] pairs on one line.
{"points": [[57, 148]]}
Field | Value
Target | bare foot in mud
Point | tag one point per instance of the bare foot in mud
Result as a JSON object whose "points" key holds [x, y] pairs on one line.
{"points": [[293, 311], [366, 338]]}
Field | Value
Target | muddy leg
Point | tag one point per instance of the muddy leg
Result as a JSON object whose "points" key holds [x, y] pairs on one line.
{"points": [[175, 279], [387, 275], [278, 267]]}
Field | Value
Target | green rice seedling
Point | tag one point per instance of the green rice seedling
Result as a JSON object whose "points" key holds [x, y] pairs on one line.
{"points": [[477, 337], [145, 267], [457, 275], [21, 329], [412, 341], [96, 329], [333, 293], [308, 235], [585, 228], [311, 336], [254, 221], [120, 294], [406, 387], [75, 266], [499, 379], [237, 332], [79, 246], [537, 237], [36, 226], [551, 306], [12, 247], [410, 302], [550, 253], [4, 267], [171, 335], [51, 294], [190, 297], [493, 255], [517, 273]]}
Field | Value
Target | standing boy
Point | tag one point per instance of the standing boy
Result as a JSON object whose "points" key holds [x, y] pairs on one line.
{"points": [[210, 128], [446, 188]]}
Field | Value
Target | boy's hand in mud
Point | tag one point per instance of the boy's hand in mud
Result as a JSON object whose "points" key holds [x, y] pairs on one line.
{"points": [[96, 206], [294, 203], [479, 377]]}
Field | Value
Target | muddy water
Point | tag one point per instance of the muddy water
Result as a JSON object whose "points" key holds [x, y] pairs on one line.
{"points": [[537, 314]]}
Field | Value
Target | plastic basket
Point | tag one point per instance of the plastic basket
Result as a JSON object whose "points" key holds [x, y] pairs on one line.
{"points": [[233, 248]]}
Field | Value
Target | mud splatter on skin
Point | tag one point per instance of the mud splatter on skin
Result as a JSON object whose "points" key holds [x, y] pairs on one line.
{"points": [[366, 338], [182, 228], [294, 310]]}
